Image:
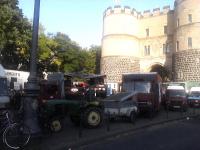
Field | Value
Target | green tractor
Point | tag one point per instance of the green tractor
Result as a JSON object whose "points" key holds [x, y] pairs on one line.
{"points": [[60, 96]]}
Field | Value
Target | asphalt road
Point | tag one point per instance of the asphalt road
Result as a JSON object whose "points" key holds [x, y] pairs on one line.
{"points": [[182, 135]]}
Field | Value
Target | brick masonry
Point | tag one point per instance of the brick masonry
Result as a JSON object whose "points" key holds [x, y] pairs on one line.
{"points": [[115, 66], [186, 65]]}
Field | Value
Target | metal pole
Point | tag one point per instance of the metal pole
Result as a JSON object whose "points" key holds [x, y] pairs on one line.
{"points": [[32, 87], [33, 59]]}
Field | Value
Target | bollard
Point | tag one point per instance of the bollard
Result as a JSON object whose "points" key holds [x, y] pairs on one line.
{"points": [[80, 132], [182, 109], [108, 121], [194, 110], [167, 110], [188, 111]]}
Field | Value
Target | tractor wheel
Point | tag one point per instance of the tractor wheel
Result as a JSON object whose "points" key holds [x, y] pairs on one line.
{"points": [[56, 125], [93, 117]]}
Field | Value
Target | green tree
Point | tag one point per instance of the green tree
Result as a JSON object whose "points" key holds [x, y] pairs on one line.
{"points": [[15, 36], [96, 50], [162, 71], [55, 52], [90, 62], [47, 54], [68, 52]]}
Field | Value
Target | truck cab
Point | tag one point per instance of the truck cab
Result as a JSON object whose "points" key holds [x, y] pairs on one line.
{"points": [[147, 87]]}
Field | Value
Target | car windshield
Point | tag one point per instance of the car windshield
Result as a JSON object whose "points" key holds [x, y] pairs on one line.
{"points": [[173, 93], [138, 86], [3, 87], [195, 93]]}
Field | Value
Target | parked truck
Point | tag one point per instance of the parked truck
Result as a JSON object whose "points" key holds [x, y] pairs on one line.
{"points": [[147, 87], [175, 98]]}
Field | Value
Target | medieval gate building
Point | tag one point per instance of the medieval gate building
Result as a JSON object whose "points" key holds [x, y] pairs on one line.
{"points": [[136, 42]]}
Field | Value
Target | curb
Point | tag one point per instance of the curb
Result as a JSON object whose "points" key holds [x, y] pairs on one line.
{"points": [[77, 144]]}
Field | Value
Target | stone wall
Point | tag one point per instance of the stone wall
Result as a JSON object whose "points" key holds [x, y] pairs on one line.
{"points": [[115, 66], [186, 65]]}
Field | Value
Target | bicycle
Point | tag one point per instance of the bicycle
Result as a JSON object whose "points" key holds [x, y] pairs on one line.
{"points": [[16, 135]]}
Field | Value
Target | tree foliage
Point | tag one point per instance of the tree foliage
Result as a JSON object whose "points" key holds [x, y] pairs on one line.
{"points": [[59, 53], [15, 35], [162, 71], [55, 52]]}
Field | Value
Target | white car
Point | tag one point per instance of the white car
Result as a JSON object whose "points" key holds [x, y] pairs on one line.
{"points": [[121, 105], [194, 97]]}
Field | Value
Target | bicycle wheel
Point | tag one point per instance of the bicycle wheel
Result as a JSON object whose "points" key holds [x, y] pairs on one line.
{"points": [[16, 136]]}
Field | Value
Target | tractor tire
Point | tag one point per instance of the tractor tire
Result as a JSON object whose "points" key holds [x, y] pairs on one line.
{"points": [[56, 125], [92, 117]]}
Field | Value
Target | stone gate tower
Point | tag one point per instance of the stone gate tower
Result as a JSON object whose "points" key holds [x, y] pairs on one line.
{"points": [[186, 60], [135, 42], [120, 44]]}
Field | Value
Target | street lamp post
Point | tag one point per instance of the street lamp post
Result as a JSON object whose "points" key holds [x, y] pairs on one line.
{"points": [[32, 87]]}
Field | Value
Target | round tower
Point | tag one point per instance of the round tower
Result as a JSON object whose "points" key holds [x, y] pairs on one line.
{"points": [[120, 44], [186, 56]]}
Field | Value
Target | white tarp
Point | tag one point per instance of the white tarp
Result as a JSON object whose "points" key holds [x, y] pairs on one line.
{"points": [[20, 78]]}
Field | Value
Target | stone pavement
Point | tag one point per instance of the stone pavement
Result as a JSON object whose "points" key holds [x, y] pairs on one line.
{"points": [[69, 137]]}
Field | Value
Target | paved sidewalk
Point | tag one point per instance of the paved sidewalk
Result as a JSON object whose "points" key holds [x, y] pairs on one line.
{"points": [[69, 137]]}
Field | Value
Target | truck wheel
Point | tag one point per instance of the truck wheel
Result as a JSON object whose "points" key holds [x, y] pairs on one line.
{"points": [[133, 117], [56, 125], [75, 120], [92, 117]]}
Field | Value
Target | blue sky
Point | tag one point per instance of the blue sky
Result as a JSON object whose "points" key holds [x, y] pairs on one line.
{"points": [[82, 20]]}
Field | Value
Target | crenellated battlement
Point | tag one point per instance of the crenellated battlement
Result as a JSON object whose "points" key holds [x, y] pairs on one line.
{"points": [[155, 12], [127, 10], [178, 1], [120, 10]]}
